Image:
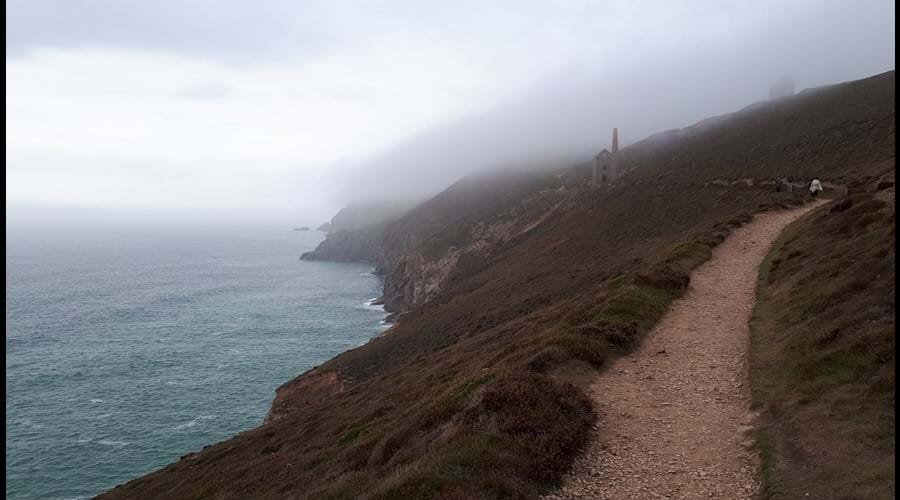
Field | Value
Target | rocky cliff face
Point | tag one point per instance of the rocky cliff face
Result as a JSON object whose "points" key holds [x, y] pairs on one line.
{"points": [[463, 226], [460, 228]]}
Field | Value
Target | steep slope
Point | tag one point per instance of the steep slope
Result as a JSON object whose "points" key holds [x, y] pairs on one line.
{"points": [[355, 245], [361, 215], [809, 135], [356, 232], [804, 136], [464, 225], [479, 390]]}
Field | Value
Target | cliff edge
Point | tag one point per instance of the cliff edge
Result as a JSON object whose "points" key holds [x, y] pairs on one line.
{"points": [[356, 232]]}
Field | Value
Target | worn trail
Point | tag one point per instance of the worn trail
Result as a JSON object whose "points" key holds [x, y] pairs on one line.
{"points": [[675, 414]]}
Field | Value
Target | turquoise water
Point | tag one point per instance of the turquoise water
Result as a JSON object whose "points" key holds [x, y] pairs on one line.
{"points": [[126, 349]]}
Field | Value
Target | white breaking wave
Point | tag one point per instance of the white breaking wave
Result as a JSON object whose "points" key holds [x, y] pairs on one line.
{"points": [[224, 332], [372, 307], [192, 423], [110, 442]]}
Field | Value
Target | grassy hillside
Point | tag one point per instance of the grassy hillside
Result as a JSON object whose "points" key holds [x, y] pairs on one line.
{"points": [[823, 351], [479, 392], [803, 136]]}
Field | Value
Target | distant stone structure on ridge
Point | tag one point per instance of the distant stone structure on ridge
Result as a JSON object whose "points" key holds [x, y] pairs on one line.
{"points": [[606, 163], [783, 87]]}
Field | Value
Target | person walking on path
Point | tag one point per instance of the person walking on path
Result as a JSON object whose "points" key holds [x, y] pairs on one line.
{"points": [[814, 187]]}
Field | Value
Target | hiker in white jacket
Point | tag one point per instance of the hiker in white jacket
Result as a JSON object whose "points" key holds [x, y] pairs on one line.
{"points": [[814, 187]]}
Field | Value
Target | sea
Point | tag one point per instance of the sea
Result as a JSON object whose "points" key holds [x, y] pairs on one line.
{"points": [[127, 348]]}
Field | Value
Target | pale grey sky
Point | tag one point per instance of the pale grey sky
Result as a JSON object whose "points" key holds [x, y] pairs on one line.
{"points": [[281, 111]]}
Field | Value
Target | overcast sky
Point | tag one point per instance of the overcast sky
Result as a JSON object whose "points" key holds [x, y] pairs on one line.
{"points": [[282, 111]]}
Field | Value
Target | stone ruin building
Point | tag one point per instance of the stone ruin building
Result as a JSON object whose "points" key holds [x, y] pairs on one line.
{"points": [[783, 87], [606, 163]]}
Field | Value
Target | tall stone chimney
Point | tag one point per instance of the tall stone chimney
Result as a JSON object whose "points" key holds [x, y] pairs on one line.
{"points": [[614, 163]]}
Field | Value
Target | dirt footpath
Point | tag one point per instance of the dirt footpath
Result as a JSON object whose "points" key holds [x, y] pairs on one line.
{"points": [[675, 414]]}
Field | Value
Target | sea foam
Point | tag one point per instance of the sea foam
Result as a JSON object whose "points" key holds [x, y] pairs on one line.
{"points": [[194, 422], [111, 442], [371, 306]]}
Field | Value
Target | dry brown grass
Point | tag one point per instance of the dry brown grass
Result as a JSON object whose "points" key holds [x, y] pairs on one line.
{"points": [[823, 350]]}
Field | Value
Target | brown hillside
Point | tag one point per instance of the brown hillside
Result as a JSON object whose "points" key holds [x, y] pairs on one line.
{"points": [[526, 285], [823, 352]]}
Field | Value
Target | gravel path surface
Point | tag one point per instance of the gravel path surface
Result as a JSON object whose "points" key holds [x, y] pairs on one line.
{"points": [[675, 416]]}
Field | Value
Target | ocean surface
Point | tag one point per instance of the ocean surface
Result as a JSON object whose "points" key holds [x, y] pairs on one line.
{"points": [[128, 348]]}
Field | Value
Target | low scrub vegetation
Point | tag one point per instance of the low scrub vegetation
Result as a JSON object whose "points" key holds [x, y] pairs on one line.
{"points": [[823, 352]]}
